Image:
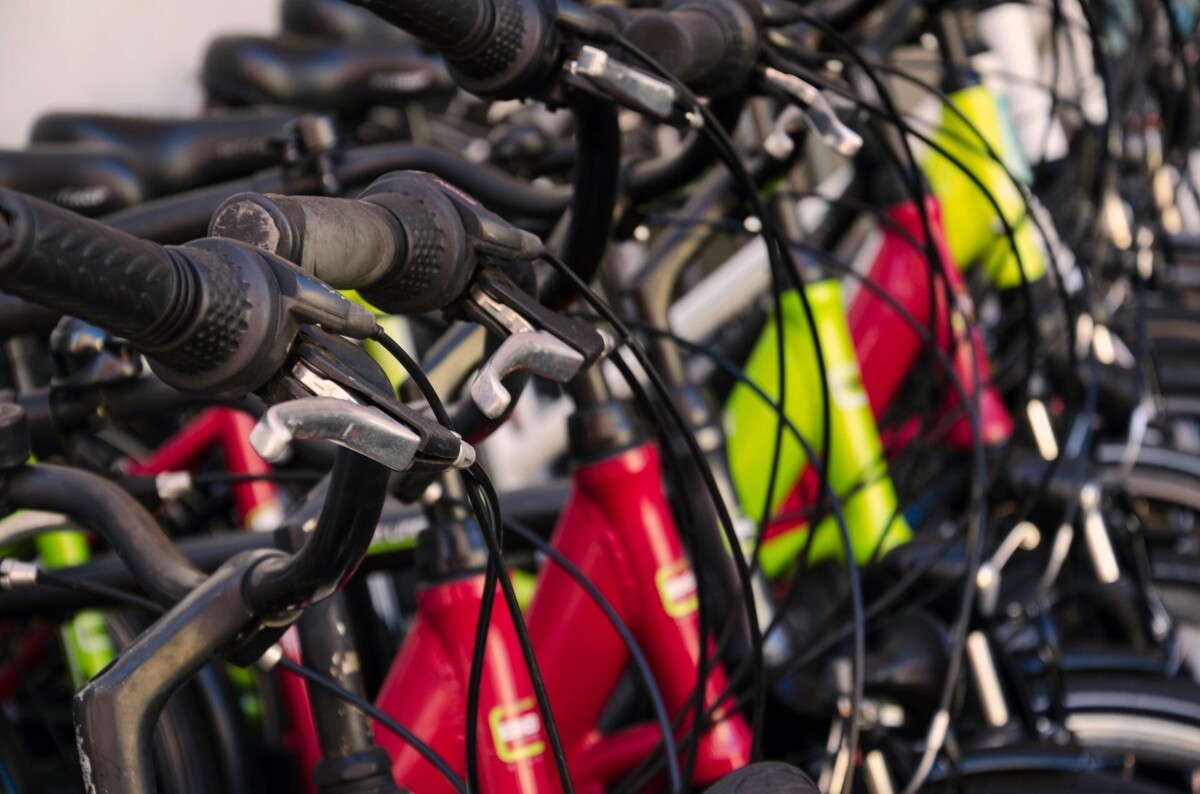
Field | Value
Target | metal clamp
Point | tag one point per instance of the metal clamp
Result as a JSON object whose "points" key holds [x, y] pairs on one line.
{"points": [[1024, 535]]}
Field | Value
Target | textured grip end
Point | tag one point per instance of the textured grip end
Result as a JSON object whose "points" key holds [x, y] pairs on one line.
{"points": [[446, 25], [437, 261]]}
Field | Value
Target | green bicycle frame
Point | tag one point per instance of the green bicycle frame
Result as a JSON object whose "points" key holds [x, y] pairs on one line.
{"points": [[86, 640], [858, 472], [974, 230]]}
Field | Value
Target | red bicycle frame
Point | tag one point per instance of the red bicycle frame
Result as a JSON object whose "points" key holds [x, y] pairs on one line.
{"points": [[256, 501], [617, 528], [888, 346]]}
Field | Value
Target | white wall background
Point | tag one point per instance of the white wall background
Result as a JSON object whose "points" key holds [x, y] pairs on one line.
{"points": [[111, 55]]}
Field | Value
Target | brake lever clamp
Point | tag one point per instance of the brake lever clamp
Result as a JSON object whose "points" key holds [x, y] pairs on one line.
{"points": [[537, 340], [324, 366]]}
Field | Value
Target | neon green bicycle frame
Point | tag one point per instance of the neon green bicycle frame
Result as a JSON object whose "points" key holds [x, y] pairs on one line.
{"points": [[857, 472], [974, 230], [87, 643]]}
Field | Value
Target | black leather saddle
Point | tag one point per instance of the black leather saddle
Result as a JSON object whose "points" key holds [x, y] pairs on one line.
{"points": [[176, 154], [337, 20], [316, 74], [90, 180]]}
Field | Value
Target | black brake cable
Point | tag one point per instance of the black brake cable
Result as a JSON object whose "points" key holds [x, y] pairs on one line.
{"points": [[99, 590], [129, 599], [672, 412], [640, 663], [639, 777], [887, 598], [938, 427], [1080, 420], [631, 343], [882, 602], [975, 531], [635, 650], [333, 688], [889, 112], [1057, 21], [716, 136], [1009, 231], [1073, 417], [487, 513], [830, 261], [783, 265], [977, 527], [284, 475], [892, 116]]}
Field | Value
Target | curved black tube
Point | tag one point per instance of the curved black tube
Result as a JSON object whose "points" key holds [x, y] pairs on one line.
{"points": [[647, 179], [177, 219], [536, 507], [19, 316], [159, 567], [497, 190], [185, 217], [593, 194], [334, 549]]}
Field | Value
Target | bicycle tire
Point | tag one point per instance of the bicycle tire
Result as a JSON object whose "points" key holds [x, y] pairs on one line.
{"points": [[1154, 719], [186, 759], [1042, 782]]}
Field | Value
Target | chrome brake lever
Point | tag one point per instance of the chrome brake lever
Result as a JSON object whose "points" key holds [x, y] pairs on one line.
{"points": [[534, 351], [360, 428], [526, 348], [1024, 535], [630, 87], [811, 108]]}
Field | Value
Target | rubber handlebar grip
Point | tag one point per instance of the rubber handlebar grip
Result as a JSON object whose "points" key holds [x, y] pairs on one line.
{"points": [[187, 308], [482, 38]]}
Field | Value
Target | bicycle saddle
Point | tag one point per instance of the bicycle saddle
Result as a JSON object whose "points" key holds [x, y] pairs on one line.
{"points": [[90, 180], [337, 20], [175, 154], [320, 75]]}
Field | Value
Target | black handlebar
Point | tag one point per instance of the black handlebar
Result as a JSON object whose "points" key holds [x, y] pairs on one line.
{"points": [[159, 568], [185, 306], [177, 219], [710, 45], [494, 48], [334, 550], [214, 317], [409, 243], [409, 250]]}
